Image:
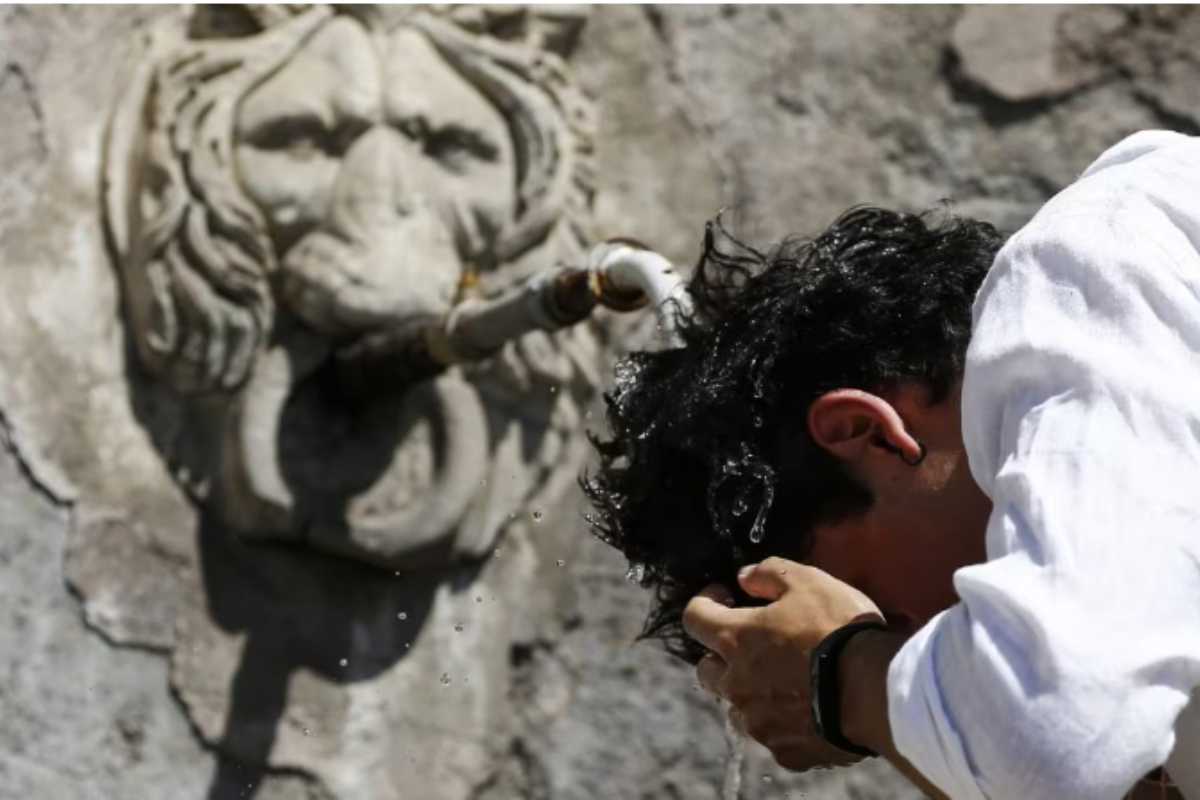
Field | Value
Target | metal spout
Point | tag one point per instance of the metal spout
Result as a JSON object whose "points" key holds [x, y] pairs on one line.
{"points": [[620, 274]]}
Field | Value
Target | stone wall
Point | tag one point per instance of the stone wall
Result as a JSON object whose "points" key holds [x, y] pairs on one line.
{"points": [[150, 651]]}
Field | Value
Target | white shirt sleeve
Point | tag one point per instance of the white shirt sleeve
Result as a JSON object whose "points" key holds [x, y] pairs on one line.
{"points": [[1075, 646]]}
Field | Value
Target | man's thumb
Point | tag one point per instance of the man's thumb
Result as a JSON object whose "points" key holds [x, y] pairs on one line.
{"points": [[765, 580]]}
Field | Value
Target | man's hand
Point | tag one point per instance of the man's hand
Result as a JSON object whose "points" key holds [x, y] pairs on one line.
{"points": [[759, 657]]}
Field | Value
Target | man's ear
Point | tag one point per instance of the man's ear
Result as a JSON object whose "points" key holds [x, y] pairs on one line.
{"points": [[850, 424]]}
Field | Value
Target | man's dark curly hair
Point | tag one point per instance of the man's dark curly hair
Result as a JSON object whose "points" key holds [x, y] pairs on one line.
{"points": [[711, 465]]}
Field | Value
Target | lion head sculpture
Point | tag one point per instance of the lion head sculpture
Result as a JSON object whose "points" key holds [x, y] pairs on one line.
{"points": [[282, 182]]}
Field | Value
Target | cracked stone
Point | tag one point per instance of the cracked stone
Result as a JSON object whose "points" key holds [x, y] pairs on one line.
{"points": [[23, 150], [128, 591]]}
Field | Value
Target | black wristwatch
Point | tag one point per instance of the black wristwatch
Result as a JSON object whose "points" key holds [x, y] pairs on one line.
{"points": [[827, 690]]}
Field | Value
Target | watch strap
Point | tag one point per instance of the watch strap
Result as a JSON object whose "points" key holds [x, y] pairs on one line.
{"points": [[826, 687]]}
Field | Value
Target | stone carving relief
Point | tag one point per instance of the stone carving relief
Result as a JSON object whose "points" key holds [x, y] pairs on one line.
{"points": [[289, 193], [278, 197]]}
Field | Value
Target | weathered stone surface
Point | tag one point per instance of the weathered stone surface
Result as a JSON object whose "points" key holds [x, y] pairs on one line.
{"points": [[148, 652], [81, 718], [1015, 56]]}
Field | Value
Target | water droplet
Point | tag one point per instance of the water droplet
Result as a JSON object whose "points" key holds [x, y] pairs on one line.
{"points": [[478, 598], [403, 615], [458, 627], [758, 529], [445, 679], [767, 779], [561, 562], [397, 573], [553, 389], [537, 516], [647, 432], [731, 787], [343, 662], [308, 732]]}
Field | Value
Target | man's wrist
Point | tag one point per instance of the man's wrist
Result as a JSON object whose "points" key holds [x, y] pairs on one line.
{"points": [[862, 675]]}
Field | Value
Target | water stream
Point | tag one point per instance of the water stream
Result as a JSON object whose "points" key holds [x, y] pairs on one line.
{"points": [[731, 787]]}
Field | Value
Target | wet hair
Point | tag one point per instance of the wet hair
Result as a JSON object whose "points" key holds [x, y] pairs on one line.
{"points": [[710, 464]]}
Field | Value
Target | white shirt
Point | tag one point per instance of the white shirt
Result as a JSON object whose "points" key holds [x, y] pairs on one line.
{"points": [[1063, 671]]}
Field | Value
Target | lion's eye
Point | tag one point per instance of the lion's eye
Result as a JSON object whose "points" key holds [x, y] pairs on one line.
{"points": [[349, 131], [302, 137], [454, 146]]}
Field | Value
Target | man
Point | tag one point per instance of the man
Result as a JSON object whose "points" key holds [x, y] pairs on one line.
{"points": [[1023, 514]]}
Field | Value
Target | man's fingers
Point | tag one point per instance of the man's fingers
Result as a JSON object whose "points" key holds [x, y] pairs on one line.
{"points": [[710, 621], [710, 671], [768, 579]]}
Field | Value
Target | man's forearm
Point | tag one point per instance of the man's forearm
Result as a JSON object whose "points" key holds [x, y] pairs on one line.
{"points": [[863, 670]]}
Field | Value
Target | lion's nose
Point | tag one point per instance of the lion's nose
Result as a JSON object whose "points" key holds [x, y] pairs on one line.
{"points": [[386, 254], [372, 188]]}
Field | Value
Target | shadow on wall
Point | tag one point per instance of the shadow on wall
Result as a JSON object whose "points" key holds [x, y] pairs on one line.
{"points": [[299, 611], [295, 609]]}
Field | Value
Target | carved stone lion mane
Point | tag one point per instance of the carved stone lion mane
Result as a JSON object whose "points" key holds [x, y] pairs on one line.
{"points": [[196, 256]]}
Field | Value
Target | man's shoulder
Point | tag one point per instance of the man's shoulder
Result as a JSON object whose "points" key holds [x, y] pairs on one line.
{"points": [[1145, 189], [1131, 184], [1146, 144], [1100, 289]]}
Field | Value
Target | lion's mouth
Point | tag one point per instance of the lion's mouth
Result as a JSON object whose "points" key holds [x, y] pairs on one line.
{"points": [[381, 474]]}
